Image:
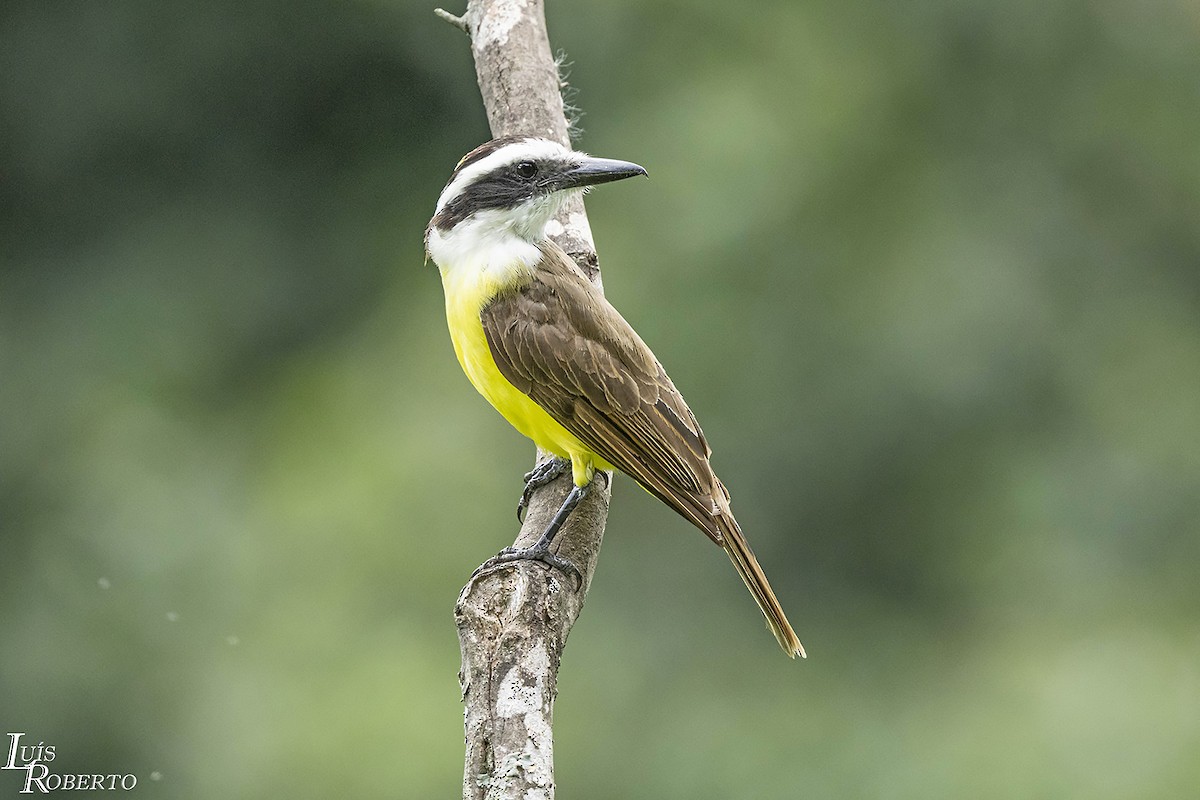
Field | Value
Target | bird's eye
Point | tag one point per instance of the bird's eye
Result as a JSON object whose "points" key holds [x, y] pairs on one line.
{"points": [[526, 169]]}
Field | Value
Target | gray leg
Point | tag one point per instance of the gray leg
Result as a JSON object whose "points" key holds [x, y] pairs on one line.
{"points": [[540, 550]]}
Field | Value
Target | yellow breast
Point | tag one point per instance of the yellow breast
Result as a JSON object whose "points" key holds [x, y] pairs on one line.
{"points": [[465, 297]]}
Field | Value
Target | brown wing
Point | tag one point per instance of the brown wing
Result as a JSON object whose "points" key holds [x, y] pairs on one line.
{"points": [[559, 341]]}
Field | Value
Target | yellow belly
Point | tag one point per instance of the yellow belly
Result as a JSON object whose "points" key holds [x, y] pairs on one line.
{"points": [[471, 347]]}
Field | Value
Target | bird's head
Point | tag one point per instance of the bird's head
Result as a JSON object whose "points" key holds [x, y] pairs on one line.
{"points": [[512, 187]]}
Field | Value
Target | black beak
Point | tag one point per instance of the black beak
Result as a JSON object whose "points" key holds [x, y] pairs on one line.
{"points": [[592, 171]]}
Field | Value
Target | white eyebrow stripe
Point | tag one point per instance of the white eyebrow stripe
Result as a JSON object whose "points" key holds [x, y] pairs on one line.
{"points": [[533, 149]]}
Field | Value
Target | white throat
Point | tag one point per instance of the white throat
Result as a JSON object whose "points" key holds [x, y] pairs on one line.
{"points": [[495, 240]]}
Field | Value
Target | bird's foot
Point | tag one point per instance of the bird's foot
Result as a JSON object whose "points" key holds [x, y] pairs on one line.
{"points": [[537, 552], [538, 477]]}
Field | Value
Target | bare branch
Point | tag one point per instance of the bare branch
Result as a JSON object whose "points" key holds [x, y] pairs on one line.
{"points": [[458, 22], [513, 620]]}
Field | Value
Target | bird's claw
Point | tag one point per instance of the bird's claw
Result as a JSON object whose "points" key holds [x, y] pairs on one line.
{"points": [[538, 477], [535, 553]]}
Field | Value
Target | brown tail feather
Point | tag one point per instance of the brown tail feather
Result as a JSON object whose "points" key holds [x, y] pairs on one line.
{"points": [[747, 566]]}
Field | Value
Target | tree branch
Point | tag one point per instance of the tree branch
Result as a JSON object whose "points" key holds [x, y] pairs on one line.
{"points": [[456, 21], [513, 620]]}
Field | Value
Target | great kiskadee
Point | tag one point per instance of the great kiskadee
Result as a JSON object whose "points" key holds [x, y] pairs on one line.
{"points": [[541, 343]]}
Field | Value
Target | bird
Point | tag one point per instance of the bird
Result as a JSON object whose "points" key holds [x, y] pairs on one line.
{"points": [[541, 343]]}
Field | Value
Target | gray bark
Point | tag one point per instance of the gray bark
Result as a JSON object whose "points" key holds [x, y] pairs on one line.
{"points": [[513, 620]]}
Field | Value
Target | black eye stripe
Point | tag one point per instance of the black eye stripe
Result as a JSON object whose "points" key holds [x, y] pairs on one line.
{"points": [[503, 187]]}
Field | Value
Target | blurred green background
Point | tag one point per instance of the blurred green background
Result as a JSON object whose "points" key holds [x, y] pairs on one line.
{"points": [[928, 272]]}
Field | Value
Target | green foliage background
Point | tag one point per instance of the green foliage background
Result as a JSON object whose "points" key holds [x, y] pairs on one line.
{"points": [[926, 271]]}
